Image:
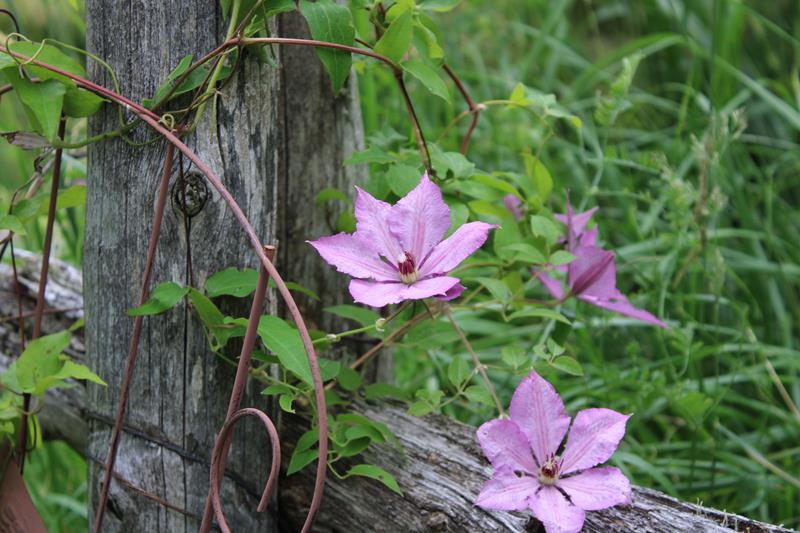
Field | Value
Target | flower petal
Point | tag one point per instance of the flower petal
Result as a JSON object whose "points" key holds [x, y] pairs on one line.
{"points": [[553, 286], [420, 219], [372, 225], [597, 488], [588, 238], [621, 305], [514, 205], [594, 436], [506, 492], [452, 293], [379, 294], [539, 412], [592, 272], [350, 255], [556, 513], [449, 253], [505, 445], [576, 222]]}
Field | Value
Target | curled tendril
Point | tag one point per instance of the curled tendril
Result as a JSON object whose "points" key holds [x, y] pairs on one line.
{"points": [[10, 15], [218, 462]]}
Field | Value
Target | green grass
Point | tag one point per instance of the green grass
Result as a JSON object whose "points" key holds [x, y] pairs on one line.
{"points": [[697, 183], [697, 186]]}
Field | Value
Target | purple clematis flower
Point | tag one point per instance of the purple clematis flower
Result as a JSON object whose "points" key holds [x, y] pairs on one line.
{"points": [[397, 252], [514, 205], [592, 275], [528, 474]]}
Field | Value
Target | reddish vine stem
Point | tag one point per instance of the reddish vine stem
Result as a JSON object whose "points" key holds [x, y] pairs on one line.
{"points": [[242, 371], [39, 310], [396, 69], [474, 109], [137, 330], [217, 463], [153, 121]]}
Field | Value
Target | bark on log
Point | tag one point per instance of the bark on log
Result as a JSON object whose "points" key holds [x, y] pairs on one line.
{"points": [[440, 473]]}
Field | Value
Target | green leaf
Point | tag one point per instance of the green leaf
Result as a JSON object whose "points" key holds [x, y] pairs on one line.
{"points": [[494, 209], [518, 96], [74, 196], [692, 406], [526, 253], [514, 356], [41, 101], [402, 178], [420, 408], [497, 288], [10, 222], [429, 77], [295, 287], [362, 315], [349, 379], [459, 371], [451, 162], [354, 447], [222, 327], [46, 54], [163, 297], [278, 388], [567, 364], [539, 313], [346, 222], [561, 257], [328, 194], [285, 401], [478, 394], [40, 360], [439, 5], [384, 390], [496, 183], [328, 368], [372, 154], [396, 39], [375, 472], [232, 282], [285, 342], [539, 174], [273, 7], [544, 227], [77, 371], [81, 103], [331, 22], [300, 459], [163, 89]]}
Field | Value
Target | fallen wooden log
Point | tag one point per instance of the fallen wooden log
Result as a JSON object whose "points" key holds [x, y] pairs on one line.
{"points": [[440, 470]]}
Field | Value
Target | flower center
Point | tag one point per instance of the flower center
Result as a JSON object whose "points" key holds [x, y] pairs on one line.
{"points": [[548, 473], [407, 268]]}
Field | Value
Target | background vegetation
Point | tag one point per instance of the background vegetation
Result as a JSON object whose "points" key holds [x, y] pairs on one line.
{"points": [[691, 153]]}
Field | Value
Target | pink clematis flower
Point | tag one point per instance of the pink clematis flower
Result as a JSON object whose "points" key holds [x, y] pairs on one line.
{"points": [[528, 473], [397, 252], [592, 275]]}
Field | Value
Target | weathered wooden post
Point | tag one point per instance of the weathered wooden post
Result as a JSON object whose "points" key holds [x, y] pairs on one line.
{"points": [[277, 136]]}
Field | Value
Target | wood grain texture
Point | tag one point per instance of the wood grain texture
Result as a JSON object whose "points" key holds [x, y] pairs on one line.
{"points": [[278, 136], [320, 131], [180, 390], [440, 473]]}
